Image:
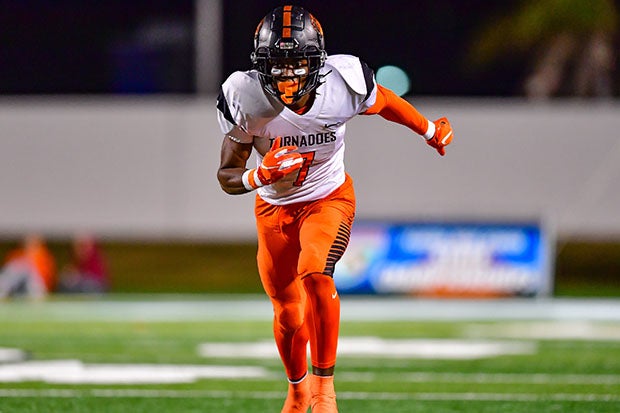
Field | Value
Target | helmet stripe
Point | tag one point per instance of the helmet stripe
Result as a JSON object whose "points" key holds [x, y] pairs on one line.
{"points": [[286, 22], [260, 24]]}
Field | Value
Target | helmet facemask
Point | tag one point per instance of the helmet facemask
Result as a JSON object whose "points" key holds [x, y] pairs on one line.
{"points": [[285, 40], [288, 77], [302, 71]]}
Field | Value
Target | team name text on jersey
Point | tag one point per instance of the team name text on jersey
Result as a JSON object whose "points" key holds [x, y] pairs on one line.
{"points": [[311, 139]]}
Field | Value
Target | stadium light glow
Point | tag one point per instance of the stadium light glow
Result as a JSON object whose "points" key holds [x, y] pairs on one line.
{"points": [[394, 78]]}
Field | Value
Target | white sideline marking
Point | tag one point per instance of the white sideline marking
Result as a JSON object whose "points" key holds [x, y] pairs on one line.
{"points": [[503, 378], [378, 347], [216, 394], [247, 307], [75, 372], [566, 330], [10, 355]]}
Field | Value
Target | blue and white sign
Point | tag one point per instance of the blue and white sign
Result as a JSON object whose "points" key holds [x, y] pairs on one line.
{"points": [[446, 259]]}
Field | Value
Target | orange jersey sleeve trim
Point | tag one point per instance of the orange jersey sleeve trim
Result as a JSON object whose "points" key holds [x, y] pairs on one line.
{"points": [[396, 109]]}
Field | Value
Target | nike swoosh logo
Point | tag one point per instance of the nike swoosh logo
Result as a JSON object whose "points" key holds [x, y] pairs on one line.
{"points": [[334, 295], [331, 125]]}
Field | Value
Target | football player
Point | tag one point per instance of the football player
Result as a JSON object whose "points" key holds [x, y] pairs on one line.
{"points": [[292, 109]]}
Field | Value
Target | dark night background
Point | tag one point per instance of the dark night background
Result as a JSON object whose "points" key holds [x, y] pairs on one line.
{"points": [[104, 47], [429, 39]]}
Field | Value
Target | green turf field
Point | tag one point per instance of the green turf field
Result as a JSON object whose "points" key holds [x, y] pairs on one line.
{"points": [[206, 354]]}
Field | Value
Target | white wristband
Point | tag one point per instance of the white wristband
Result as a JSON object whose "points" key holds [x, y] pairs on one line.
{"points": [[250, 179], [430, 132], [246, 181]]}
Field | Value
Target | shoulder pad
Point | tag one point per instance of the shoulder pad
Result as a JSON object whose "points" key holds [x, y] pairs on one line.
{"points": [[356, 74], [252, 99], [246, 104]]}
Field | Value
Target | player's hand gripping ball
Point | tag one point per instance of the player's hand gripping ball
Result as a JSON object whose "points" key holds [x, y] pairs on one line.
{"points": [[278, 162], [443, 135]]}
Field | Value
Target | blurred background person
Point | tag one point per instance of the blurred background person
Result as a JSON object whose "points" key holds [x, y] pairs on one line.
{"points": [[87, 272], [28, 270]]}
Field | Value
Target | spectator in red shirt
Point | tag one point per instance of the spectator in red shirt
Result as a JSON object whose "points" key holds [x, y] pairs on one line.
{"points": [[87, 272]]}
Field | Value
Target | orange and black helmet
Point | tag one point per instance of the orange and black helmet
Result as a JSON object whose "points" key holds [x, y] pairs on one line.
{"points": [[289, 32]]}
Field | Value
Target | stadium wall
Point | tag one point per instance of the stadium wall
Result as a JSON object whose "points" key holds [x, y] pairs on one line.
{"points": [[144, 168]]}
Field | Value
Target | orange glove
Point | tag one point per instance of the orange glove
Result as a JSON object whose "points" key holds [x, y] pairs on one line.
{"points": [[443, 135], [277, 163]]}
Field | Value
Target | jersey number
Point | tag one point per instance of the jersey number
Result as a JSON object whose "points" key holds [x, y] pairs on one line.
{"points": [[305, 166]]}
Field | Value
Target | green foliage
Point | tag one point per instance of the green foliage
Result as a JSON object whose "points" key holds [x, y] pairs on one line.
{"points": [[535, 22]]}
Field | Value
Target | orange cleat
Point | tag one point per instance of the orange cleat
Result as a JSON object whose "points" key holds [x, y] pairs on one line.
{"points": [[298, 397], [323, 394]]}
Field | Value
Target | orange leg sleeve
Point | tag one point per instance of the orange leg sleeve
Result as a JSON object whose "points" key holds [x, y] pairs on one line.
{"points": [[324, 319], [324, 236], [291, 335], [277, 259]]}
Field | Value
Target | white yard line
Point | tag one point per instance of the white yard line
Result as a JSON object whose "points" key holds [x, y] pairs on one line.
{"points": [[499, 378], [217, 394], [147, 308], [11, 355], [76, 372], [456, 349], [546, 330]]}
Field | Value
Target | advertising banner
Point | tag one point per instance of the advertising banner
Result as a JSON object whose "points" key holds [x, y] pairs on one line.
{"points": [[447, 259]]}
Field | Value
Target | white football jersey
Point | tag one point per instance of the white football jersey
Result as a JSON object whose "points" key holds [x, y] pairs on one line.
{"points": [[348, 89]]}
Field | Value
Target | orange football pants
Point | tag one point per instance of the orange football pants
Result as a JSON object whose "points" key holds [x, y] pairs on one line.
{"points": [[298, 247]]}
